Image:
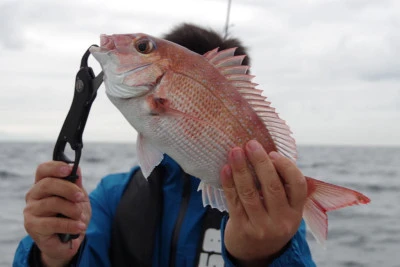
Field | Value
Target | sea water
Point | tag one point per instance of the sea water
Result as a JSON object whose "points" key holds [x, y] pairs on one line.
{"points": [[367, 235]]}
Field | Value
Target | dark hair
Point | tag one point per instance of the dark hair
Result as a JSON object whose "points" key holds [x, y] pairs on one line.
{"points": [[202, 40]]}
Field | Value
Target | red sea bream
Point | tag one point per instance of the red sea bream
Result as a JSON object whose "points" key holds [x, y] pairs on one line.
{"points": [[195, 108]]}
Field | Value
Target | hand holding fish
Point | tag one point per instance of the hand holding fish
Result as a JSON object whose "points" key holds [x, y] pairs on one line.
{"points": [[48, 197], [259, 227]]}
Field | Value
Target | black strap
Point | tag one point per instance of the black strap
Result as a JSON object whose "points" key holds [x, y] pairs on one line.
{"points": [[136, 218], [35, 257], [209, 249], [181, 216]]}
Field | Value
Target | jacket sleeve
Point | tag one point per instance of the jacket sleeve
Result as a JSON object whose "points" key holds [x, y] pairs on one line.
{"points": [[104, 200], [296, 254], [21, 257]]}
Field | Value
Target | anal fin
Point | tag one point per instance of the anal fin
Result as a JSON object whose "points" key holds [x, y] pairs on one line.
{"points": [[212, 196]]}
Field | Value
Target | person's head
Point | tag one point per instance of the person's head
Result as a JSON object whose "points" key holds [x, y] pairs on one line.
{"points": [[202, 40]]}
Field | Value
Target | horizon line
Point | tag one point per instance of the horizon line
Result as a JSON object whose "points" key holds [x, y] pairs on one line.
{"points": [[4, 140]]}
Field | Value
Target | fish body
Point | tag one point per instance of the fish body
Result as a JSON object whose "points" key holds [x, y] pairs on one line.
{"points": [[195, 108]]}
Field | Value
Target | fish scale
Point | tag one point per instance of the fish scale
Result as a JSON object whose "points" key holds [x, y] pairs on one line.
{"points": [[204, 150], [195, 109], [207, 110]]}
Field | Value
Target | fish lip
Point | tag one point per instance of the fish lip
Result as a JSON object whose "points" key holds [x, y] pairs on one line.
{"points": [[108, 52], [105, 39], [123, 91], [139, 68], [123, 74], [109, 65], [98, 49]]}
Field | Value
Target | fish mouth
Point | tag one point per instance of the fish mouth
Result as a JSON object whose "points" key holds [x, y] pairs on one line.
{"points": [[106, 42], [107, 58], [119, 43], [115, 74], [94, 49], [114, 50], [131, 71]]}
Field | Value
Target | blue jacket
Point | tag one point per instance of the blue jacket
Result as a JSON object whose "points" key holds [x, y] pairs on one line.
{"points": [[104, 201]]}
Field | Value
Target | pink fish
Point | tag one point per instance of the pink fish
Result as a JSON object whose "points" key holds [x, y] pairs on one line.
{"points": [[195, 109]]}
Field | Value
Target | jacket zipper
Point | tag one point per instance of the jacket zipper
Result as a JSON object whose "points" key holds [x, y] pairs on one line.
{"points": [[182, 212]]}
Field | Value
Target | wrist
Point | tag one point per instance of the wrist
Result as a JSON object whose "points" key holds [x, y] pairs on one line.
{"points": [[265, 261], [50, 262], [39, 259], [252, 263]]}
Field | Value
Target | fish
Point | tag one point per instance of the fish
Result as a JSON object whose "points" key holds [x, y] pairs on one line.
{"points": [[195, 108]]}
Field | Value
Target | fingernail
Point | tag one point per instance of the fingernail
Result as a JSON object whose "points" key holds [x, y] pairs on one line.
{"points": [[274, 155], [83, 217], [65, 170], [228, 171], [81, 225], [79, 196], [237, 154], [253, 145]]}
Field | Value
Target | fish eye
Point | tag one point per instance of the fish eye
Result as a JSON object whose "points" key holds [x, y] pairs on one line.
{"points": [[144, 46]]}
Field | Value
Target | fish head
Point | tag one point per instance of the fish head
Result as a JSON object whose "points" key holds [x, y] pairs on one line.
{"points": [[132, 63]]}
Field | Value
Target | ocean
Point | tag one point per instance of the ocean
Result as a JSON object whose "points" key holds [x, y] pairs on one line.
{"points": [[359, 236]]}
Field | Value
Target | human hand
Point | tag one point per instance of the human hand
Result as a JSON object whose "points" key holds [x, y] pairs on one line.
{"points": [[260, 227], [49, 196]]}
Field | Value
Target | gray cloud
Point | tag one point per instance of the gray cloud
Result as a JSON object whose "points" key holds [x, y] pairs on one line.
{"points": [[323, 64], [38, 23], [383, 75], [330, 39], [10, 32]]}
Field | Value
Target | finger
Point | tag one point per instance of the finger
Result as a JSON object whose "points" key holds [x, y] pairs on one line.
{"points": [[47, 226], [52, 169], [78, 181], [234, 205], [51, 206], [245, 186], [48, 187], [274, 194], [294, 181]]}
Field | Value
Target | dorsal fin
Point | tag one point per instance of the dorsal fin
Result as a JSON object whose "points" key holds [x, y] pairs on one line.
{"points": [[227, 53], [241, 69], [231, 67], [211, 53], [229, 61]]}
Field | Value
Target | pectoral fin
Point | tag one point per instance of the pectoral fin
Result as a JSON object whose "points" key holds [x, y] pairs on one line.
{"points": [[148, 156]]}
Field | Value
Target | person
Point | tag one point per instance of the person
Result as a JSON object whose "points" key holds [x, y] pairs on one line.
{"points": [[128, 221]]}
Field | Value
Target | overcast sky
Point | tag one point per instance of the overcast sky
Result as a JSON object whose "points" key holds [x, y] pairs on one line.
{"points": [[331, 68]]}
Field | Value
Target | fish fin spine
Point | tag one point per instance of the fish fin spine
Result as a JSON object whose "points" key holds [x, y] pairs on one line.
{"points": [[213, 197], [230, 66]]}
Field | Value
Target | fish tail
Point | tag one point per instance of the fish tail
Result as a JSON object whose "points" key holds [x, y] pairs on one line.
{"points": [[324, 197]]}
